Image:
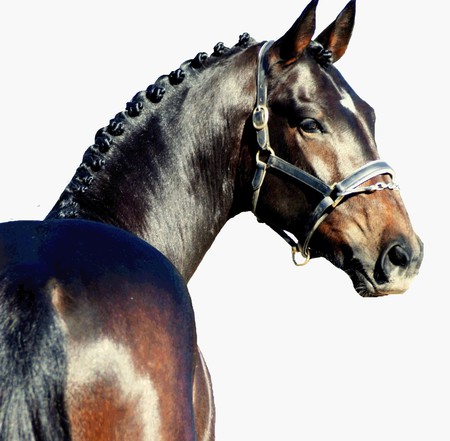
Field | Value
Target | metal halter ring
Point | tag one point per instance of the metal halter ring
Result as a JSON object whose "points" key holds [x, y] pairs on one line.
{"points": [[332, 195], [306, 255]]}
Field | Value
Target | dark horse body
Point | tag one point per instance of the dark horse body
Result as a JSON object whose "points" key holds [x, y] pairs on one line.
{"points": [[97, 333], [69, 334]]}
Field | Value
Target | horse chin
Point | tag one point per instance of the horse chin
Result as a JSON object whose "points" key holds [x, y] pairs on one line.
{"points": [[364, 281], [366, 286]]}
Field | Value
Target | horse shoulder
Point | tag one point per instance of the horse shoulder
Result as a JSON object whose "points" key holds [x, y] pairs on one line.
{"points": [[127, 322]]}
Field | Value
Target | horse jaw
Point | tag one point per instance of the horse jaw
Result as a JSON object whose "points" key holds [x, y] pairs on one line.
{"points": [[375, 267]]}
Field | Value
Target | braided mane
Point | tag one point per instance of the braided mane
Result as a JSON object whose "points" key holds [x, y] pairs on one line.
{"points": [[322, 56], [99, 154], [102, 152]]}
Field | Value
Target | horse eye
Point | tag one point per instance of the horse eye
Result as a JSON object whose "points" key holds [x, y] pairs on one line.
{"points": [[310, 125]]}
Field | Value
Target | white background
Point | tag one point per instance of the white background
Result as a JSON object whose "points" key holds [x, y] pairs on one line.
{"points": [[294, 353]]}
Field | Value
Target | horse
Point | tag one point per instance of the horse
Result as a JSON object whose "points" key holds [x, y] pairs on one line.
{"points": [[97, 329]]}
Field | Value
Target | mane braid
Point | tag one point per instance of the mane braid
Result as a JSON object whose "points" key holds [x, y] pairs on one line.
{"points": [[322, 56], [98, 155]]}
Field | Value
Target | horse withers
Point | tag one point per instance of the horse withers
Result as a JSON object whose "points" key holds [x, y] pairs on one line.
{"points": [[97, 334]]}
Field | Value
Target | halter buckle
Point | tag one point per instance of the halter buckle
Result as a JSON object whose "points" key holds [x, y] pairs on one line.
{"points": [[260, 117], [332, 195]]}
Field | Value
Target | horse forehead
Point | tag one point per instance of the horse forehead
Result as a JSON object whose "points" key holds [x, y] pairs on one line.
{"points": [[336, 98], [325, 86], [329, 96], [348, 102]]}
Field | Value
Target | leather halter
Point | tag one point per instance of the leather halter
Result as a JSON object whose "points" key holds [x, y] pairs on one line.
{"points": [[332, 195]]}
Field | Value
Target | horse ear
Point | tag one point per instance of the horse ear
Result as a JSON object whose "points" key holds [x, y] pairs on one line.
{"points": [[336, 37], [291, 46]]}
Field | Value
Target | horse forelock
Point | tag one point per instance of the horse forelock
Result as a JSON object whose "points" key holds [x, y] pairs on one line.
{"points": [[321, 55], [110, 140]]}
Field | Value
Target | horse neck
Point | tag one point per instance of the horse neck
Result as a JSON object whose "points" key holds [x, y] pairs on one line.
{"points": [[169, 175]]}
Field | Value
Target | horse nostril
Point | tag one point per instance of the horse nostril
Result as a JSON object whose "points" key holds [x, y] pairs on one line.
{"points": [[394, 258], [398, 256]]}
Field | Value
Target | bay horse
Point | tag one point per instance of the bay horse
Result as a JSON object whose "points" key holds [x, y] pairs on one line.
{"points": [[97, 330]]}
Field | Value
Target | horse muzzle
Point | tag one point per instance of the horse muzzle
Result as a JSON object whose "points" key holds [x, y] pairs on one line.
{"points": [[396, 267]]}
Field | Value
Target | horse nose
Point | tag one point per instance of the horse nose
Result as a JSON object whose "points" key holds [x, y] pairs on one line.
{"points": [[396, 259], [396, 256]]}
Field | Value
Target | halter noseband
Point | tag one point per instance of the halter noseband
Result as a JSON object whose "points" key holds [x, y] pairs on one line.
{"points": [[332, 195]]}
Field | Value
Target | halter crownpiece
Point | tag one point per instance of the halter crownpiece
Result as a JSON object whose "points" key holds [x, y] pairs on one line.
{"points": [[332, 195]]}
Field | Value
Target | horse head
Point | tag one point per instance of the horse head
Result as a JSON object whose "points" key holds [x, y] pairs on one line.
{"points": [[193, 150], [318, 175]]}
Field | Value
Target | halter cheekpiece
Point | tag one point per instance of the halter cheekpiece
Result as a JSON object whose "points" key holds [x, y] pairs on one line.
{"points": [[332, 195]]}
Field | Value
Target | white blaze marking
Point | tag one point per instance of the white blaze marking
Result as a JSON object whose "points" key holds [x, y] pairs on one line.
{"points": [[347, 102]]}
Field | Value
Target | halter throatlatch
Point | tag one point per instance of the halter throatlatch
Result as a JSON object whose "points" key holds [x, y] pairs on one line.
{"points": [[332, 195]]}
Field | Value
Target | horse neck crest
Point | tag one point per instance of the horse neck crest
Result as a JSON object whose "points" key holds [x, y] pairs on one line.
{"points": [[98, 155]]}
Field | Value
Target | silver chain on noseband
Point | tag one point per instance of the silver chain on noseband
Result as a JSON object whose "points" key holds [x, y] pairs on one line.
{"points": [[332, 195]]}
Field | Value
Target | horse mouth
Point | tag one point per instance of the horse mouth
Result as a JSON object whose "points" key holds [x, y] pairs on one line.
{"points": [[366, 286]]}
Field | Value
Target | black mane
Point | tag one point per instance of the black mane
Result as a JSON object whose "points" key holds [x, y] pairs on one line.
{"points": [[322, 56], [100, 153], [139, 112]]}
